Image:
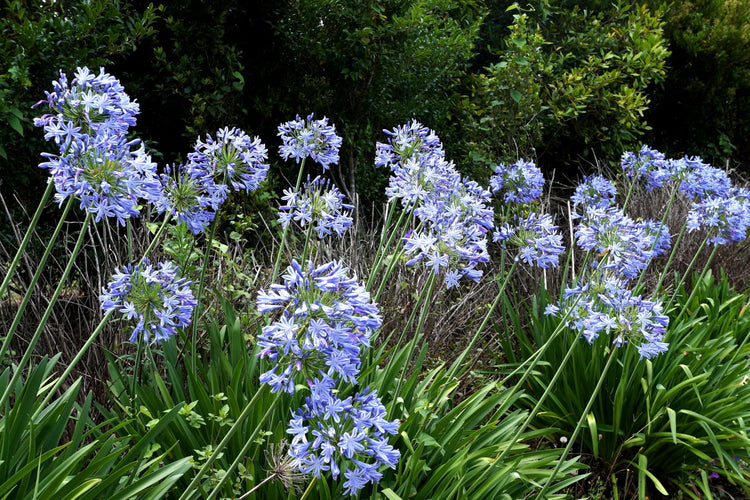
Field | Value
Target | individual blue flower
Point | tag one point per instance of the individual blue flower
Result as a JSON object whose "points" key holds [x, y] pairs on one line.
{"points": [[315, 139], [185, 198], [535, 236], [109, 176], [521, 182], [319, 203], [154, 296], [90, 106], [648, 165], [325, 319], [724, 219], [331, 434], [661, 241], [232, 160], [594, 191]]}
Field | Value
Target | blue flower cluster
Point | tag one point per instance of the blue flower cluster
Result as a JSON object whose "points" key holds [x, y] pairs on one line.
{"points": [[719, 209], [96, 163], [325, 320], [604, 305], [538, 240], [453, 213], [521, 182], [320, 203], [310, 138], [621, 244], [154, 296], [594, 191], [328, 430]]}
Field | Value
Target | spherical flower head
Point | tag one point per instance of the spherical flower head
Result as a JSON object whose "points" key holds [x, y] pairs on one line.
{"points": [[594, 191], [154, 296], [521, 182], [648, 165], [405, 143], [319, 203], [232, 160], [724, 219], [310, 138], [185, 198], [109, 177], [536, 238], [331, 434], [618, 241], [89, 106], [454, 223], [701, 181], [604, 306], [325, 319]]}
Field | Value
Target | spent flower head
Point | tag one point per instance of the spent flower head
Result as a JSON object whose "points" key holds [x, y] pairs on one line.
{"points": [[325, 318], [154, 296], [351, 434], [320, 203], [304, 138]]}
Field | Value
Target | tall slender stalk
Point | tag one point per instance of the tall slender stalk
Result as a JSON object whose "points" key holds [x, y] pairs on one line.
{"points": [[197, 311], [24, 243], [45, 317]]}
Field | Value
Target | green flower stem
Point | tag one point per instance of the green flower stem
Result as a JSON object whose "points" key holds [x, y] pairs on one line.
{"points": [[308, 235], [27, 237], [658, 234], [194, 484], [695, 286], [417, 336], [156, 238], [687, 271], [630, 192], [76, 360], [308, 490], [32, 284], [285, 232], [672, 254], [457, 369], [197, 311], [43, 322], [250, 441], [384, 247], [579, 425]]}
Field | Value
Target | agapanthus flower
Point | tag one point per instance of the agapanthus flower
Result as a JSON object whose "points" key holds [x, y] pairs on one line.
{"points": [[604, 306], [109, 177], [536, 238], [319, 203], [232, 160], [725, 220], [154, 296], [661, 241], [521, 182], [331, 434], [452, 235], [325, 318], [594, 191], [315, 139], [420, 177], [618, 241], [91, 106], [701, 181], [407, 142], [185, 198], [648, 165]]}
